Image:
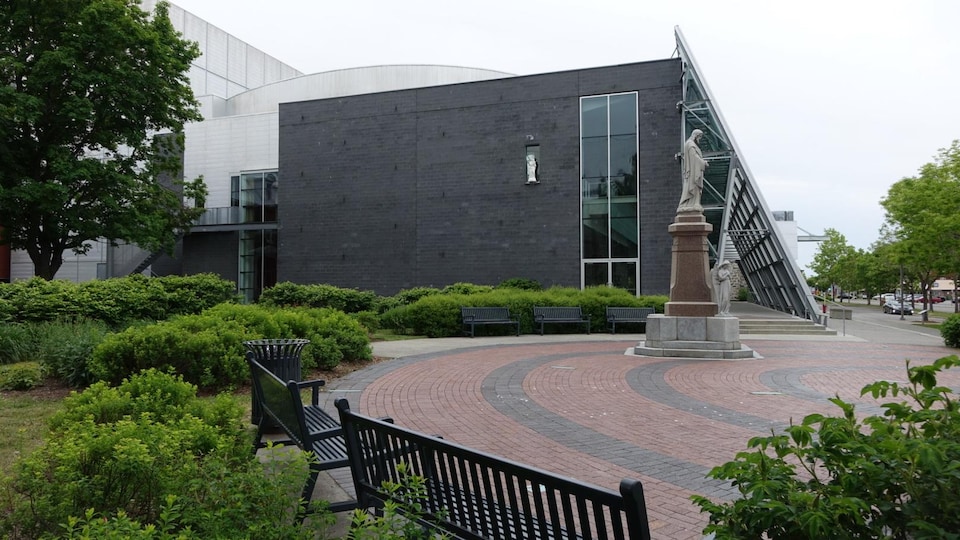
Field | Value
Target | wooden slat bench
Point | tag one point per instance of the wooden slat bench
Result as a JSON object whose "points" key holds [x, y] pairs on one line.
{"points": [[475, 495], [473, 316], [622, 315], [548, 315], [309, 427]]}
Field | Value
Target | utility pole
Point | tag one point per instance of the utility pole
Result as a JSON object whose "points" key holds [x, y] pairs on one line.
{"points": [[901, 291]]}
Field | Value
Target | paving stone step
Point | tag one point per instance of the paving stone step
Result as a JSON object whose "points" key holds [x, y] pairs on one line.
{"points": [[784, 326]]}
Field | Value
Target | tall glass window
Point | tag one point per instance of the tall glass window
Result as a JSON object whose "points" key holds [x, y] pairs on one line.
{"points": [[258, 196], [255, 193], [258, 263], [610, 229]]}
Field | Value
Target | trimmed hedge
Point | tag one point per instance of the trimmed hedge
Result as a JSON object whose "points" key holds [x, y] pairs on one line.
{"points": [[114, 301], [288, 294], [439, 315], [207, 349]]}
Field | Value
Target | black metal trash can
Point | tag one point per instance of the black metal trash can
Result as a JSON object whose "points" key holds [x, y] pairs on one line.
{"points": [[281, 357]]}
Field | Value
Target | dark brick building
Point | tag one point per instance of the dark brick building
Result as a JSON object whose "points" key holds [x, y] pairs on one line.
{"points": [[429, 186]]}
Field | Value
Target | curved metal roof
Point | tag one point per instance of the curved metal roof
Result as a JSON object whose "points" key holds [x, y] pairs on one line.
{"points": [[353, 81]]}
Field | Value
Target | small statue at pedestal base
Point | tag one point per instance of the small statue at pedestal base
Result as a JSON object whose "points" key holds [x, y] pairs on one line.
{"points": [[721, 287]]}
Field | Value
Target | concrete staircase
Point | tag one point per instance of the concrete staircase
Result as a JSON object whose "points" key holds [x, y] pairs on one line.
{"points": [[784, 326]]}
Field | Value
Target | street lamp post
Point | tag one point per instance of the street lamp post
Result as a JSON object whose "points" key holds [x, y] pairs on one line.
{"points": [[901, 291]]}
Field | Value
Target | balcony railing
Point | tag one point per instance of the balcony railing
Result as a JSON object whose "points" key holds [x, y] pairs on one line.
{"points": [[224, 215]]}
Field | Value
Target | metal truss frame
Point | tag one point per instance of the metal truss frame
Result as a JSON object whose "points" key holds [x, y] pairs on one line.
{"points": [[734, 205]]}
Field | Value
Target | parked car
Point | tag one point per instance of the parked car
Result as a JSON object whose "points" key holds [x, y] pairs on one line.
{"points": [[894, 306], [885, 297], [845, 296], [937, 299]]}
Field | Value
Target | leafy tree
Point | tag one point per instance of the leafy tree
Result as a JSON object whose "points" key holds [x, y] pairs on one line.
{"points": [[878, 269], [866, 273], [923, 214], [833, 262], [84, 86]]}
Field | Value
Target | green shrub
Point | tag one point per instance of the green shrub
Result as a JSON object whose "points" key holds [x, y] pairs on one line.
{"points": [[343, 332], [6, 308], [397, 319], [402, 516], [950, 331], [168, 398], [20, 376], [521, 283], [189, 295], [368, 319], [120, 527], [37, 299], [439, 315], [115, 301], [436, 316], [893, 475], [150, 454], [404, 298], [288, 294], [466, 288], [65, 348], [17, 343], [743, 294], [333, 335], [208, 350]]}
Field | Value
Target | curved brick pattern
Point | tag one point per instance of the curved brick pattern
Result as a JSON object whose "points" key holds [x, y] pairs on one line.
{"points": [[586, 410]]}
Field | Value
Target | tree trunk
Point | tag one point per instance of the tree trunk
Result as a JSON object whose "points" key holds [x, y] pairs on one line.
{"points": [[46, 261]]}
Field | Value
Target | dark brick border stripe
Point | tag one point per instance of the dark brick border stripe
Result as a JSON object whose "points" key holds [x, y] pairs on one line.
{"points": [[503, 390]]}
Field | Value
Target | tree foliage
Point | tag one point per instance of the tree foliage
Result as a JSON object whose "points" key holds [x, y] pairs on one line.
{"points": [[833, 262], [84, 86], [923, 215]]}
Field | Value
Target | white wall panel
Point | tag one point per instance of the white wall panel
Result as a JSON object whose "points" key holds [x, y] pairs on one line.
{"points": [[220, 147], [216, 51], [237, 61], [216, 85], [255, 72], [195, 29]]}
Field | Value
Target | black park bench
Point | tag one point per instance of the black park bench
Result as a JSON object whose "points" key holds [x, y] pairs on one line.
{"points": [[309, 427], [475, 495], [473, 316], [622, 315], [572, 315]]}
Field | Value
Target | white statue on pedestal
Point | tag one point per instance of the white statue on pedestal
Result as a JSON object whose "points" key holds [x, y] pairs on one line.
{"points": [[721, 287], [693, 168]]}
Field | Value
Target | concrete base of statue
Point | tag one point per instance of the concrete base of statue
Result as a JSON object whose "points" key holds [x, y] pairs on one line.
{"points": [[693, 337]]}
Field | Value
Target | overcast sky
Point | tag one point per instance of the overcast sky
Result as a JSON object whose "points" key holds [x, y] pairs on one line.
{"points": [[829, 102]]}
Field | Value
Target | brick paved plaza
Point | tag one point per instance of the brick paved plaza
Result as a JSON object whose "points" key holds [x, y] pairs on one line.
{"points": [[588, 410]]}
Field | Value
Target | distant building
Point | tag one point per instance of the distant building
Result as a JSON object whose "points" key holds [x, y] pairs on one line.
{"points": [[389, 177]]}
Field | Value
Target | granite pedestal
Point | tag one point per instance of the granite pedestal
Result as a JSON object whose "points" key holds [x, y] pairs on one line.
{"points": [[693, 337], [690, 326]]}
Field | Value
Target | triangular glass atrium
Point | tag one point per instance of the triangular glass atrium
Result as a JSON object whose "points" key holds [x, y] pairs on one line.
{"points": [[744, 230]]}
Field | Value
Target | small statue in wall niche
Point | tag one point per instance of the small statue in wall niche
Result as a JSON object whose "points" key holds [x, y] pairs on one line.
{"points": [[693, 169], [532, 169]]}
